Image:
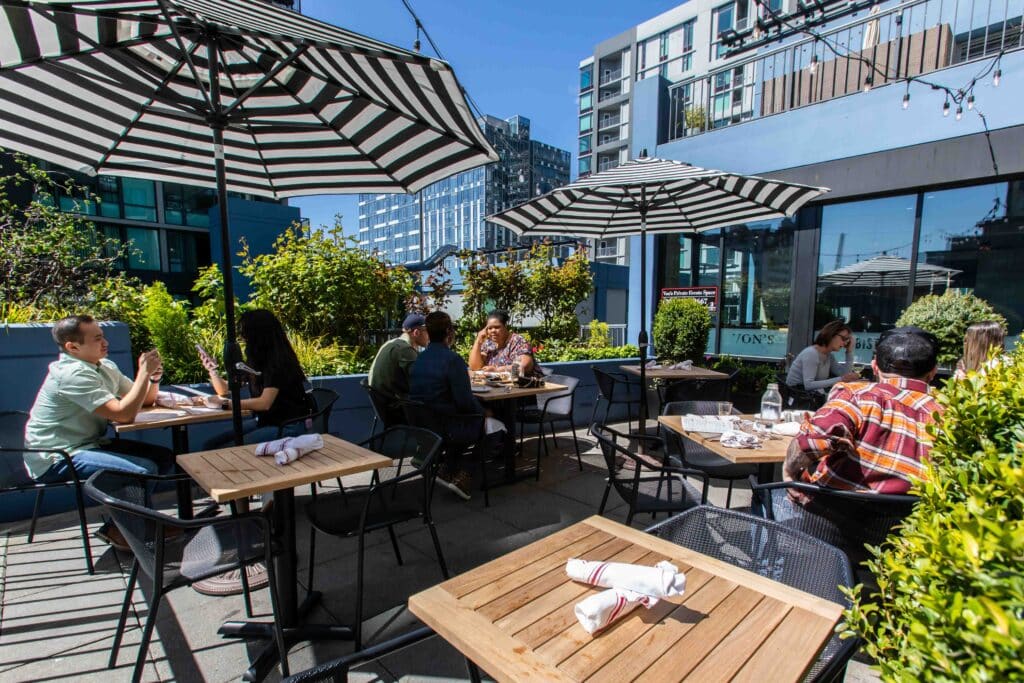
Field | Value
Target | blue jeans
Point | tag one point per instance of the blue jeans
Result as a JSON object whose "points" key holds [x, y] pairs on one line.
{"points": [[252, 432], [124, 455]]}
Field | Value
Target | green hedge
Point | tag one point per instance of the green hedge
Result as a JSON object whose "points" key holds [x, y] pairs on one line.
{"points": [[948, 316], [951, 606], [681, 328]]}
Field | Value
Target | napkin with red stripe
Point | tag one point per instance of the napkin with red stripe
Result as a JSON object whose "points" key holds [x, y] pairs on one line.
{"points": [[602, 609], [660, 581], [291, 448]]}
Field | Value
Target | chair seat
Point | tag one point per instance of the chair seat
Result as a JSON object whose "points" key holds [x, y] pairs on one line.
{"points": [[340, 515], [536, 415], [211, 551], [715, 466], [648, 500]]}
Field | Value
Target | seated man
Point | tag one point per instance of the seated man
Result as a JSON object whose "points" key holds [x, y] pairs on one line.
{"points": [[83, 390], [871, 436], [868, 437], [440, 381], [389, 373]]}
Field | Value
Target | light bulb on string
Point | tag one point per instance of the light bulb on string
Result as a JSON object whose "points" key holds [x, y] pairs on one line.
{"points": [[996, 76], [959, 112], [906, 100], [970, 102], [812, 68], [945, 108], [867, 83]]}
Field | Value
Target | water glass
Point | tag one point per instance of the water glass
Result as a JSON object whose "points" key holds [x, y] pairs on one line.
{"points": [[724, 408]]}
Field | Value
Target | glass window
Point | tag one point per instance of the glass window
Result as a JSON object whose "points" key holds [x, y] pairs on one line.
{"points": [[586, 101], [855, 282], [109, 196], [584, 144], [182, 251], [586, 123], [586, 78], [721, 19], [139, 199], [584, 165], [755, 296], [145, 249], [972, 239]]}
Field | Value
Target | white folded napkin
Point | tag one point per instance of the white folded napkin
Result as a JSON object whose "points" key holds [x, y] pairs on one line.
{"points": [[786, 428], [660, 581], [652, 365], [684, 365], [170, 399], [213, 401], [290, 448], [735, 439], [600, 610]]}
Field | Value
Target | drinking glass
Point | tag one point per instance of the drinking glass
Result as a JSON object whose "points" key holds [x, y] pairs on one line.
{"points": [[724, 408]]}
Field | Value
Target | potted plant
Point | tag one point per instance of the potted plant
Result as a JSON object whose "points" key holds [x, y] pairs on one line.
{"points": [[681, 328], [948, 316], [696, 120]]}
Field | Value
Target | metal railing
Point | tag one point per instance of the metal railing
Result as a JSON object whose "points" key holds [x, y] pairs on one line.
{"points": [[608, 165], [608, 252], [904, 41], [616, 334], [607, 122], [609, 76]]}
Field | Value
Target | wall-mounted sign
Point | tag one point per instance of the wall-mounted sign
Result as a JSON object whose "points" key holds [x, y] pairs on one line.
{"points": [[705, 295]]}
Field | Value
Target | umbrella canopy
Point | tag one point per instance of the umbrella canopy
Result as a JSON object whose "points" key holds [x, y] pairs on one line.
{"points": [[234, 94], [888, 271], [648, 195]]}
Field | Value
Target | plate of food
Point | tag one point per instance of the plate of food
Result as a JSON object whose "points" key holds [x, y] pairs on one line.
{"points": [[480, 389]]}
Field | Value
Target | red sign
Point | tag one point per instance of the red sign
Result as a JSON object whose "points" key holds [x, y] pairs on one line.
{"points": [[705, 295]]}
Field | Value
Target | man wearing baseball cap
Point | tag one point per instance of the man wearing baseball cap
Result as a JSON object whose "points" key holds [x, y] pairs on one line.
{"points": [[389, 373]]}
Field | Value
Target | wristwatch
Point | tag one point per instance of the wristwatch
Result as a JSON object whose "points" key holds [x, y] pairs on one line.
{"points": [[155, 380]]}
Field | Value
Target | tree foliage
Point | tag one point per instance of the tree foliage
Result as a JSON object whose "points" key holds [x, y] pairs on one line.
{"points": [[432, 293], [951, 600], [948, 316], [322, 285]]}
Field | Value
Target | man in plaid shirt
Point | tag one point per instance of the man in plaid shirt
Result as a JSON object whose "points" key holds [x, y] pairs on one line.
{"points": [[871, 436]]}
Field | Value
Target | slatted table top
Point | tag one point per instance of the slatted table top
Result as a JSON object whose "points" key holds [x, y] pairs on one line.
{"points": [[156, 417], [772, 450], [500, 393], [236, 472], [514, 616], [678, 373]]}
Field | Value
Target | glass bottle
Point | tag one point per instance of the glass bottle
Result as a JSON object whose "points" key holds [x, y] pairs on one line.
{"points": [[771, 404]]}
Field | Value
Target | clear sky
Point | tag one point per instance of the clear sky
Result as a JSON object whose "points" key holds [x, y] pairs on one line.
{"points": [[517, 57]]}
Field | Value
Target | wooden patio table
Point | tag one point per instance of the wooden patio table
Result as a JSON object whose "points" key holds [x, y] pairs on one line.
{"points": [[514, 616], [772, 451], [235, 472], [694, 373]]}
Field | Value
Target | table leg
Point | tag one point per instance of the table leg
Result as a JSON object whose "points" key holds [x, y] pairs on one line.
{"points": [[179, 444], [291, 613]]}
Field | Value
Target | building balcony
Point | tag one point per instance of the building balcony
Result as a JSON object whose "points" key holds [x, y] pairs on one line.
{"points": [[608, 122], [611, 75]]}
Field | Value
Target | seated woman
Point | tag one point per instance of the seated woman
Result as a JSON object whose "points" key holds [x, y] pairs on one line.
{"points": [[278, 392], [815, 368], [981, 340], [498, 349]]}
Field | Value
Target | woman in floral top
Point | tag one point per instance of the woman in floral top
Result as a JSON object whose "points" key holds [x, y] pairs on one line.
{"points": [[497, 349]]}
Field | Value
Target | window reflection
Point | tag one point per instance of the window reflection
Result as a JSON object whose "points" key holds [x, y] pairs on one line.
{"points": [[145, 249]]}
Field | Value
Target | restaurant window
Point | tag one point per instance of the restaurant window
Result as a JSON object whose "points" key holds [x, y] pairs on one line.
{"points": [[972, 240], [754, 299], [693, 262], [864, 266], [145, 248]]}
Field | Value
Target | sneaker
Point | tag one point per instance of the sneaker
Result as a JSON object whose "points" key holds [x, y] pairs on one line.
{"points": [[458, 483], [109, 533]]}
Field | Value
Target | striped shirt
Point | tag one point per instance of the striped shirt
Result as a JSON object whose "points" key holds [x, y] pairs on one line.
{"points": [[870, 436]]}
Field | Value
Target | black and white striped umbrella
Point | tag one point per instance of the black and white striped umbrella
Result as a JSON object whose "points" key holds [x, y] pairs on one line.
{"points": [[234, 94], [648, 195], [124, 87], [889, 271]]}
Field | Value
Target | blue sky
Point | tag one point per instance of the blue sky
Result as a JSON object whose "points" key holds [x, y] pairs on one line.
{"points": [[512, 58]]}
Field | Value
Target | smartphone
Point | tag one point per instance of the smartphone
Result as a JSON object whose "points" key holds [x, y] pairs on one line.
{"points": [[208, 361]]}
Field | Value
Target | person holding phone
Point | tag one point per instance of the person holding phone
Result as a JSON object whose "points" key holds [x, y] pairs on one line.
{"points": [[276, 382], [816, 368]]}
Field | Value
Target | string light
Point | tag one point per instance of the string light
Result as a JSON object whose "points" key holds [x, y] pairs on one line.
{"points": [[906, 99], [959, 112], [996, 76], [945, 108], [867, 83], [970, 102], [812, 68]]}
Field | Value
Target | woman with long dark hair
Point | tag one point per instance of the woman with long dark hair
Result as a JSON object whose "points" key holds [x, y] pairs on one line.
{"points": [[816, 369], [278, 390]]}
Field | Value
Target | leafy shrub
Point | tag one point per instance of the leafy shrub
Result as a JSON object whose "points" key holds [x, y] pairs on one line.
{"points": [[321, 358], [948, 316], [562, 352], [121, 298], [951, 602], [753, 378], [168, 325], [681, 328], [600, 336]]}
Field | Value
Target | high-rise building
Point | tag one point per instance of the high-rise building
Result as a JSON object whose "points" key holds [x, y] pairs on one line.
{"points": [[907, 109], [407, 228]]}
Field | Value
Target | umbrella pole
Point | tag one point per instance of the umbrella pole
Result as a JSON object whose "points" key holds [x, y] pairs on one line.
{"points": [[232, 353], [642, 340]]}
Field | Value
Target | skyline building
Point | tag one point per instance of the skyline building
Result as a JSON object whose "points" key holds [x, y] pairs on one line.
{"points": [[409, 228]]}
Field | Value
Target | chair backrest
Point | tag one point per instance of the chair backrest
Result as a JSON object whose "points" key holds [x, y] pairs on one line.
{"points": [[605, 383], [770, 549], [324, 400], [413, 452], [127, 499], [693, 408], [795, 398], [381, 403], [12, 428], [616, 453], [13, 474], [562, 402]]}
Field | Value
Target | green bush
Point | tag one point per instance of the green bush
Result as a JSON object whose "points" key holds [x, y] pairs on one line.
{"points": [[948, 316], [600, 336], [681, 328], [562, 352], [951, 602], [168, 325], [753, 378]]}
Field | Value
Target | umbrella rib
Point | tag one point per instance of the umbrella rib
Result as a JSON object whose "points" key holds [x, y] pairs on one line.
{"points": [[187, 55], [281, 66], [328, 125], [248, 127]]}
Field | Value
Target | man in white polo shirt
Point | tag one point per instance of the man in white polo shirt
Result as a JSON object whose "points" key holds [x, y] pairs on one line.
{"points": [[84, 390]]}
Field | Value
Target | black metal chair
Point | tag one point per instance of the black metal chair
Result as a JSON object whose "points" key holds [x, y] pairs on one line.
{"points": [[393, 497], [384, 411], [613, 388], [206, 547], [552, 408], [774, 551], [338, 669], [798, 398], [696, 456], [14, 476], [698, 390], [848, 520], [645, 485], [317, 422]]}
